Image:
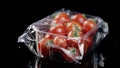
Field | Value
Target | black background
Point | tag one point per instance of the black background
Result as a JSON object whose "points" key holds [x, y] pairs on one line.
{"points": [[24, 14]]}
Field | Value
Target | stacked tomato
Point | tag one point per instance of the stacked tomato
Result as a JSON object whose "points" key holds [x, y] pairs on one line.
{"points": [[63, 24]]}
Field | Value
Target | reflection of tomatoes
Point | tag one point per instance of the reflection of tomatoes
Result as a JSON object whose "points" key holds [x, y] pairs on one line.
{"points": [[58, 29], [43, 46], [73, 26], [88, 25], [88, 43], [62, 17], [74, 53], [60, 41], [78, 18]]}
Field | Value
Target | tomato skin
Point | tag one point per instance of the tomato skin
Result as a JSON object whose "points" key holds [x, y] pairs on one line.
{"points": [[62, 17], [73, 26], [74, 42], [73, 53], [49, 36], [60, 41], [78, 18], [75, 34], [57, 22], [58, 29], [88, 25], [43, 46], [88, 43]]}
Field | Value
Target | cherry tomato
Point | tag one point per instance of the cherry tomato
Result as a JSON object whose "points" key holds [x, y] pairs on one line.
{"points": [[60, 41], [72, 55], [57, 23], [62, 17], [58, 29], [73, 26], [88, 25], [43, 46], [88, 43], [78, 18], [75, 34], [74, 42], [49, 36]]}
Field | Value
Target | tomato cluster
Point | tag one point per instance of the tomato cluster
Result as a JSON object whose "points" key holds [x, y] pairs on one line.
{"points": [[76, 25]]}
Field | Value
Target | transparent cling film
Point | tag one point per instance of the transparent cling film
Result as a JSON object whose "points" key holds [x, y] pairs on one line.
{"points": [[65, 36]]}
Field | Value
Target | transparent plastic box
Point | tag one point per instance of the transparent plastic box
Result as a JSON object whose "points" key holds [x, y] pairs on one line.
{"points": [[71, 49]]}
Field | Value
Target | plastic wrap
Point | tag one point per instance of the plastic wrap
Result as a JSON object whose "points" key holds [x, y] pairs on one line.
{"points": [[59, 46]]}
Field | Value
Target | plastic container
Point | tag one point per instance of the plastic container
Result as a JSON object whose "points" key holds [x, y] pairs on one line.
{"points": [[62, 47]]}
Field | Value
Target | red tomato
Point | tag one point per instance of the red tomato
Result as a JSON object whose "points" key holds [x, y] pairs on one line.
{"points": [[49, 36], [57, 23], [88, 43], [43, 46], [54, 23], [62, 17], [74, 52], [60, 41], [88, 25], [78, 18], [58, 29], [73, 26], [75, 34], [74, 42]]}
